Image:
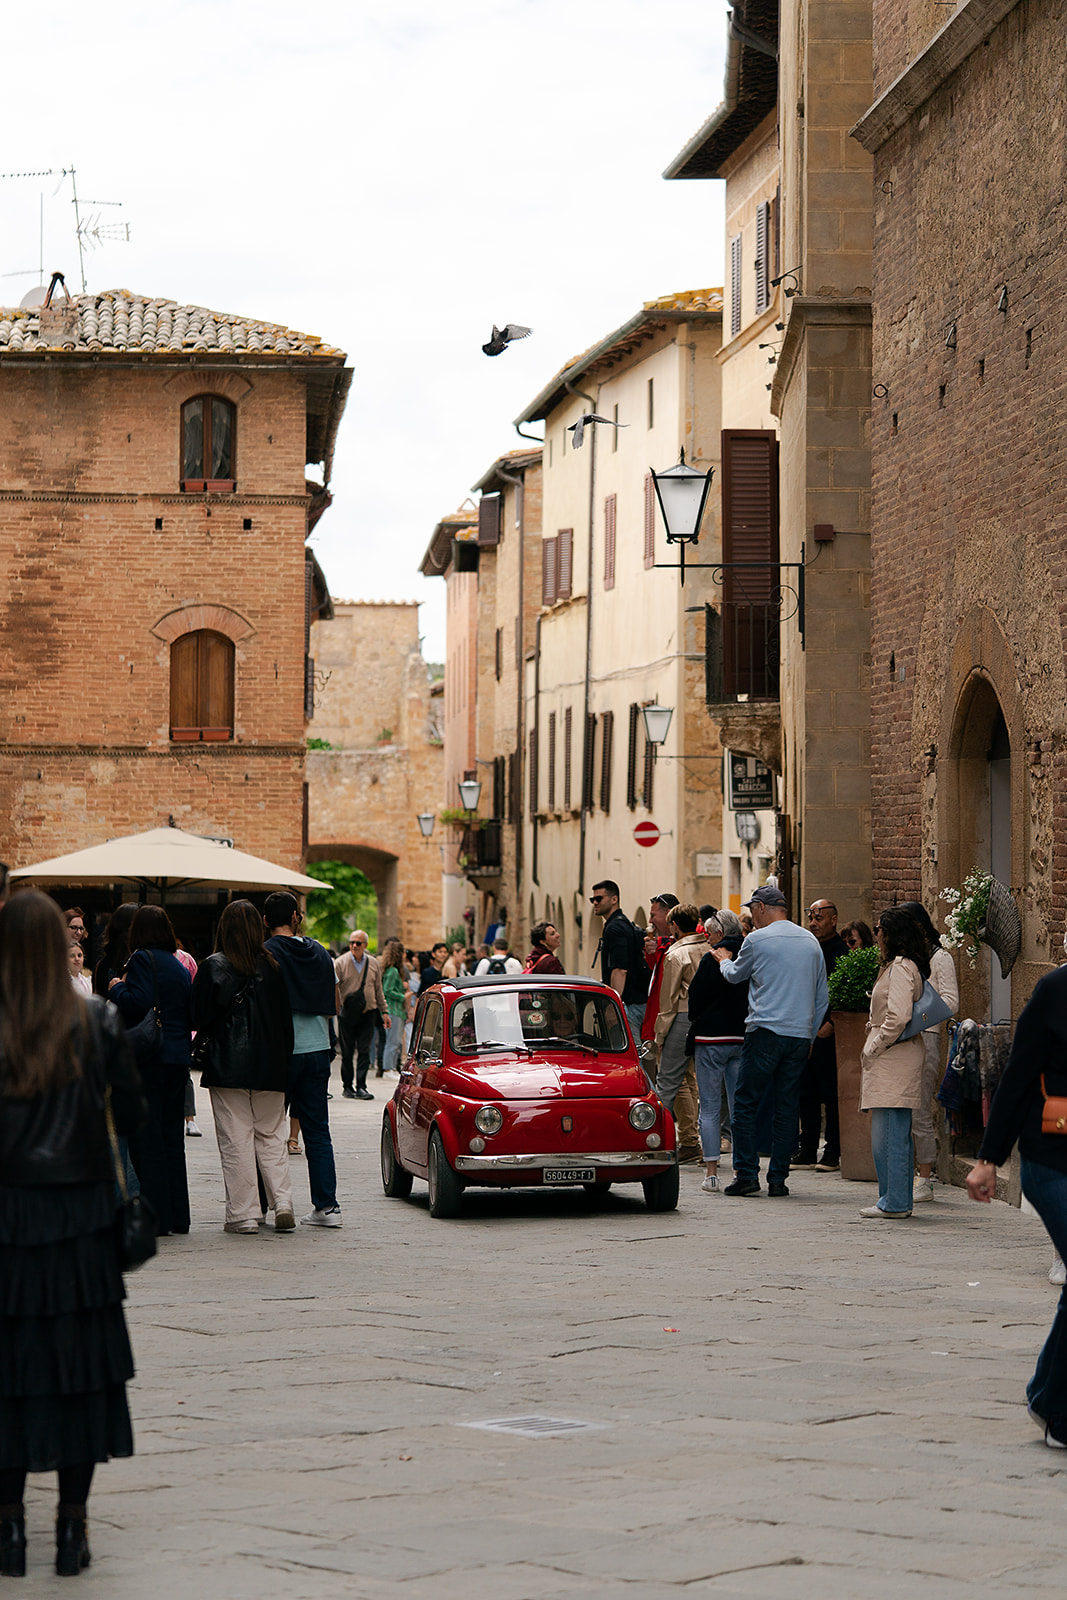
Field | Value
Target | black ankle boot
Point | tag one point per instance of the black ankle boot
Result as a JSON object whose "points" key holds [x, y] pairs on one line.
{"points": [[72, 1541], [12, 1542]]}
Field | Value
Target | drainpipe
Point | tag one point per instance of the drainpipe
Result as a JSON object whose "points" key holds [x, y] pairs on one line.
{"points": [[588, 646], [519, 481], [537, 746]]}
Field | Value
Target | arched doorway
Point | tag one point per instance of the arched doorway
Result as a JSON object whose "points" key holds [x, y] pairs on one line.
{"points": [[977, 826], [379, 867]]}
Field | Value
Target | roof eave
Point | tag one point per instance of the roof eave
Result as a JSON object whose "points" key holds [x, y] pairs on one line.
{"points": [[562, 385], [515, 462]]}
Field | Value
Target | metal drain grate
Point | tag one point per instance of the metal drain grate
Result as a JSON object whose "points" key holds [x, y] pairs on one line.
{"points": [[535, 1427]]}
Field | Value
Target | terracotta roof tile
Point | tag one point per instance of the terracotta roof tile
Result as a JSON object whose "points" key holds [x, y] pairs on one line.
{"points": [[116, 320]]}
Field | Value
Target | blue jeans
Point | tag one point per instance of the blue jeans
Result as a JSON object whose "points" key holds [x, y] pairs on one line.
{"points": [[394, 1042], [766, 1058], [635, 1013], [715, 1064], [1046, 1190], [894, 1159], [305, 1095]]}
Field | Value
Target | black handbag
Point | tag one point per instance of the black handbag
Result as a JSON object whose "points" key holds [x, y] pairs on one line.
{"points": [[146, 1036], [354, 1005], [135, 1220]]}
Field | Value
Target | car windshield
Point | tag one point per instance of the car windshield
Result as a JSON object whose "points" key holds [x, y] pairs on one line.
{"points": [[533, 1019]]}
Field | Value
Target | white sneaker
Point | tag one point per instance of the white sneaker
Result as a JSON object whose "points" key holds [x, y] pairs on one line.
{"points": [[1057, 1273], [922, 1189], [322, 1219], [249, 1225], [876, 1214], [711, 1184], [191, 1130]]}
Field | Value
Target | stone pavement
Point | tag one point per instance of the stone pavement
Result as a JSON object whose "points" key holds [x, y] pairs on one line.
{"points": [[786, 1401]]}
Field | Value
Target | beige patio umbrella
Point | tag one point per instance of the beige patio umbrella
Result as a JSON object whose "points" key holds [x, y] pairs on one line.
{"points": [[164, 859]]}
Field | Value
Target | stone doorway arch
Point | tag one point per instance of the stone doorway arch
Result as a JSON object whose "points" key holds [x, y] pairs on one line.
{"points": [[379, 866]]}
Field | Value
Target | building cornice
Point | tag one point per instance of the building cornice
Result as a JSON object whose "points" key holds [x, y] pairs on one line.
{"points": [[183, 752], [964, 31], [70, 497], [812, 311]]}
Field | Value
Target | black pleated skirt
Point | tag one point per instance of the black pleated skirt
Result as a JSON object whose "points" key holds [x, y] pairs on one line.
{"points": [[64, 1350]]}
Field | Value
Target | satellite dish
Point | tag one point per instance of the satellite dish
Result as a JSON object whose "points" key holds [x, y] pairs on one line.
{"points": [[34, 297]]}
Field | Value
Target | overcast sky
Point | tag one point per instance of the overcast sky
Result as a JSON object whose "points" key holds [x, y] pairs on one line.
{"points": [[394, 177]]}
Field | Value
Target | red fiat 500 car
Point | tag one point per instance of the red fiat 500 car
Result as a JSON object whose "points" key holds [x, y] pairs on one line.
{"points": [[525, 1080]]}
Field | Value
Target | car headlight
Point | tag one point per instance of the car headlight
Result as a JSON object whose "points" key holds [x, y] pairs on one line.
{"points": [[642, 1115], [488, 1119]]}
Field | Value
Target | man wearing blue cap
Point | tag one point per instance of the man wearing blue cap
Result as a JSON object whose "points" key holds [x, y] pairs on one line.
{"points": [[787, 1001]]}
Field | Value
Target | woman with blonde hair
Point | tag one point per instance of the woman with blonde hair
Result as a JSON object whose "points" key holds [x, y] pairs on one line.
{"points": [[395, 990], [65, 1353], [244, 1027]]}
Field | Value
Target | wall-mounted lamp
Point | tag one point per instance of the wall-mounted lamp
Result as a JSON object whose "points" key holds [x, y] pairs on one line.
{"points": [[426, 820], [682, 493], [657, 721], [782, 276], [470, 792]]}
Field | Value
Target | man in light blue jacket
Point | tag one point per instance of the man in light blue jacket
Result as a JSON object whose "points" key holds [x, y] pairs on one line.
{"points": [[787, 1001]]}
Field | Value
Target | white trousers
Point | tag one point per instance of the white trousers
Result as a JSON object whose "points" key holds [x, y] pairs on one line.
{"points": [[251, 1126]]}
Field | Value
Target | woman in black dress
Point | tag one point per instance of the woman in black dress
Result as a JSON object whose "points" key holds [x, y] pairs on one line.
{"points": [[158, 1151], [64, 1350]]}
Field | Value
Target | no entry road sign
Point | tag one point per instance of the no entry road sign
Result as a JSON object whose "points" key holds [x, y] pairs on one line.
{"points": [[646, 833]]}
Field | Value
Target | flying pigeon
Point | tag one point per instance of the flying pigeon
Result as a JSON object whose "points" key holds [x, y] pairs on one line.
{"points": [[502, 337], [578, 428]]}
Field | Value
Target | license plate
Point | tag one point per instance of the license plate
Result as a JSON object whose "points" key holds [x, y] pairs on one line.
{"points": [[569, 1174]]}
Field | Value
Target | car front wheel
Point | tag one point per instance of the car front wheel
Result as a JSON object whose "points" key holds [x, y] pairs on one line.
{"points": [[446, 1190], [661, 1192], [396, 1180]]}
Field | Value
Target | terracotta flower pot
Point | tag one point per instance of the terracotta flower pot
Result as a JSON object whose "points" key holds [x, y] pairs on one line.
{"points": [[857, 1162]]}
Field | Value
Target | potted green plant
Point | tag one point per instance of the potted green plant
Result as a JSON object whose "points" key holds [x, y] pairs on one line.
{"points": [[850, 986]]}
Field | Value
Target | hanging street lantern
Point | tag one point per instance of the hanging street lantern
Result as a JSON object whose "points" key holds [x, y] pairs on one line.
{"points": [[470, 792], [657, 721], [682, 493], [426, 820]]}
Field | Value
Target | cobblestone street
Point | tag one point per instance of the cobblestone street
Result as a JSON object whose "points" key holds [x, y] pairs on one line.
{"points": [[785, 1401]]}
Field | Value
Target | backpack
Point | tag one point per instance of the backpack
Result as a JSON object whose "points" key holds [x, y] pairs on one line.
{"points": [[497, 966]]}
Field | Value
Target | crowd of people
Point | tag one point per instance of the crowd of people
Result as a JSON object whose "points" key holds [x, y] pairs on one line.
{"points": [[95, 1100]]}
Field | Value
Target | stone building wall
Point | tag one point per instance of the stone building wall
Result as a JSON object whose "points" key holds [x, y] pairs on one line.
{"points": [[969, 543], [365, 795]]}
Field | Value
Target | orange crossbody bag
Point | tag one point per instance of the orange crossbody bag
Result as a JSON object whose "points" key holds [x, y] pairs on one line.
{"points": [[1053, 1112]]}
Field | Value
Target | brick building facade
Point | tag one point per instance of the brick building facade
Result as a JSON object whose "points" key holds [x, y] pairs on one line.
{"points": [[157, 592], [969, 538]]}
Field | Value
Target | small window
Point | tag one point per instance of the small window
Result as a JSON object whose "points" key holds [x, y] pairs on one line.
{"points": [[208, 431], [201, 687], [651, 403]]}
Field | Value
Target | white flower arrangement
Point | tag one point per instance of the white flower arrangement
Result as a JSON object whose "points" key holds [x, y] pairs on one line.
{"points": [[967, 919]]}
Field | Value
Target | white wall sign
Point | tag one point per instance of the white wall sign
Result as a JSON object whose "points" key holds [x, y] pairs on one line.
{"points": [[709, 864]]}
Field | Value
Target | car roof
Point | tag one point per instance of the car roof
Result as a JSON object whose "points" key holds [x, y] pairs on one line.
{"points": [[536, 980]]}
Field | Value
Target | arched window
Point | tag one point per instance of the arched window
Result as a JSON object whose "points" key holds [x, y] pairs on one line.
{"points": [[208, 437], [201, 687]]}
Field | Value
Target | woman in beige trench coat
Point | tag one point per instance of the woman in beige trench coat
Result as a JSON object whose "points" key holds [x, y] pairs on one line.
{"points": [[891, 1085]]}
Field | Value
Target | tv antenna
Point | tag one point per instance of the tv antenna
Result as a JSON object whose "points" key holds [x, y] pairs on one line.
{"points": [[91, 231]]}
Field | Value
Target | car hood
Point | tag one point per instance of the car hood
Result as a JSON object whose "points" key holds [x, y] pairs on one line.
{"points": [[579, 1077]]}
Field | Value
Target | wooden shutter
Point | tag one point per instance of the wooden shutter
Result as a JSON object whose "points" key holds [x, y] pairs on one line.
{"points": [[607, 735], [776, 228], [489, 520], [567, 732], [216, 685], [588, 760], [552, 761], [649, 775], [533, 772], [564, 563], [763, 255], [514, 782], [714, 693], [499, 787], [184, 687], [201, 687], [499, 653], [750, 537], [548, 572], [735, 286], [631, 756], [650, 521], [309, 688], [610, 506]]}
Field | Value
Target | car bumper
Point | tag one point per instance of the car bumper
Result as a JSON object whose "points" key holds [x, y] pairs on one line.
{"points": [[525, 1163]]}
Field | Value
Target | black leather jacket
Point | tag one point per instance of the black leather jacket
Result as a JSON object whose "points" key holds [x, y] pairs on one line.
{"points": [[62, 1137], [249, 1024]]}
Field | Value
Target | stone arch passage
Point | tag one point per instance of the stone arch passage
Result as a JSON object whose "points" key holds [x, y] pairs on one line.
{"points": [[380, 867]]}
